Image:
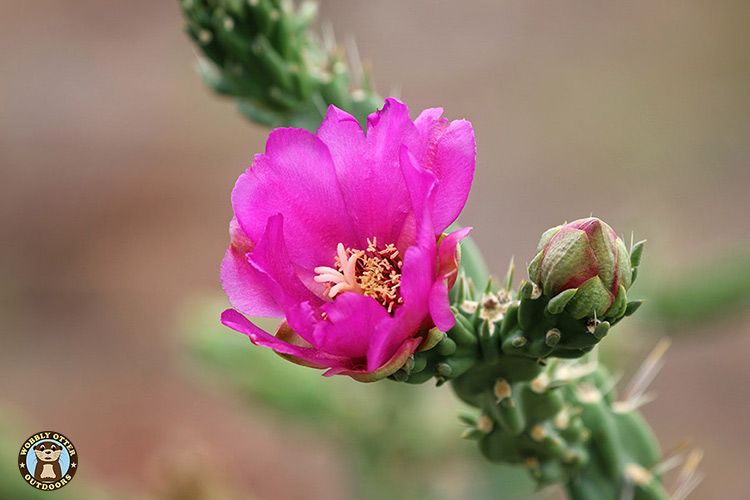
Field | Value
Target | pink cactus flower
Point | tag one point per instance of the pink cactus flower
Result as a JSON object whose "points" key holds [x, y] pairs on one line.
{"points": [[341, 233]]}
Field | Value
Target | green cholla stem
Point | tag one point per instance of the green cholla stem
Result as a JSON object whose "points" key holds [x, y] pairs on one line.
{"points": [[543, 400], [262, 53]]}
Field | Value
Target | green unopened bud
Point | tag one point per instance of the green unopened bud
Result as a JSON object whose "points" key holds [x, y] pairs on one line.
{"points": [[587, 256]]}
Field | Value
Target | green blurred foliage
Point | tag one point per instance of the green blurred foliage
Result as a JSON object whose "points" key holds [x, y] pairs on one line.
{"points": [[707, 291], [401, 441]]}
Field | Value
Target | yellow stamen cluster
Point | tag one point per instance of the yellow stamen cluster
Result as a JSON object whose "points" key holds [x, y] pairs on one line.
{"points": [[374, 272]]}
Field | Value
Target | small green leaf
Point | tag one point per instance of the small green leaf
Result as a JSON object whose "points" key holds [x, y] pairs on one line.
{"points": [[557, 303], [635, 253]]}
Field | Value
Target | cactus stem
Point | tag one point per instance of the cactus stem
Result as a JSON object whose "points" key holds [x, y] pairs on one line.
{"points": [[468, 418], [444, 370], [446, 346]]}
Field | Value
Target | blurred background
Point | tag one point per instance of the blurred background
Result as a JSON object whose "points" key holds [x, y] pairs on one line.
{"points": [[116, 167]]}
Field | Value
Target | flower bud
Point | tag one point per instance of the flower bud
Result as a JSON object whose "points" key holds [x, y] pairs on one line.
{"points": [[587, 256]]}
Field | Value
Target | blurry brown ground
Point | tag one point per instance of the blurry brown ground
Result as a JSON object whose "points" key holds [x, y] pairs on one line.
{"points": [[116, 166]]}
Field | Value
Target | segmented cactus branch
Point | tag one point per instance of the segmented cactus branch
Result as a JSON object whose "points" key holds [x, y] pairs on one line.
{"points": [[544, 401], [263, 54]]}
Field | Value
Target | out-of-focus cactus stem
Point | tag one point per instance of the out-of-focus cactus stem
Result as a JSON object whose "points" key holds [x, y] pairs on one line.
{"points": [[263, 54]]}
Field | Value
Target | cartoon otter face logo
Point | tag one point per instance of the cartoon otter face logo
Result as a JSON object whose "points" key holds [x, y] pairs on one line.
{"points": [[47, 465], [47, 460]]}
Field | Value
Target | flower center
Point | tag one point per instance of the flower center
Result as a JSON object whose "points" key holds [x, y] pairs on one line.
{"points": [[374, 272]]}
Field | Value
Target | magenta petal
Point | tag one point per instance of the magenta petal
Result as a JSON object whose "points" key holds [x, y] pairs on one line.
{"points": [[391, 366], [302, 319], [390, 122], [258, 336], [245, 287], [271, 260], [420, 183], [451, 154], [427, 119], [296, 178], [447, 268], [440, 308], [368, 168], [351, 322], [448, 251], [241, 282], [387, 338], [417, 277], [418, 270], [416, 282]]}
